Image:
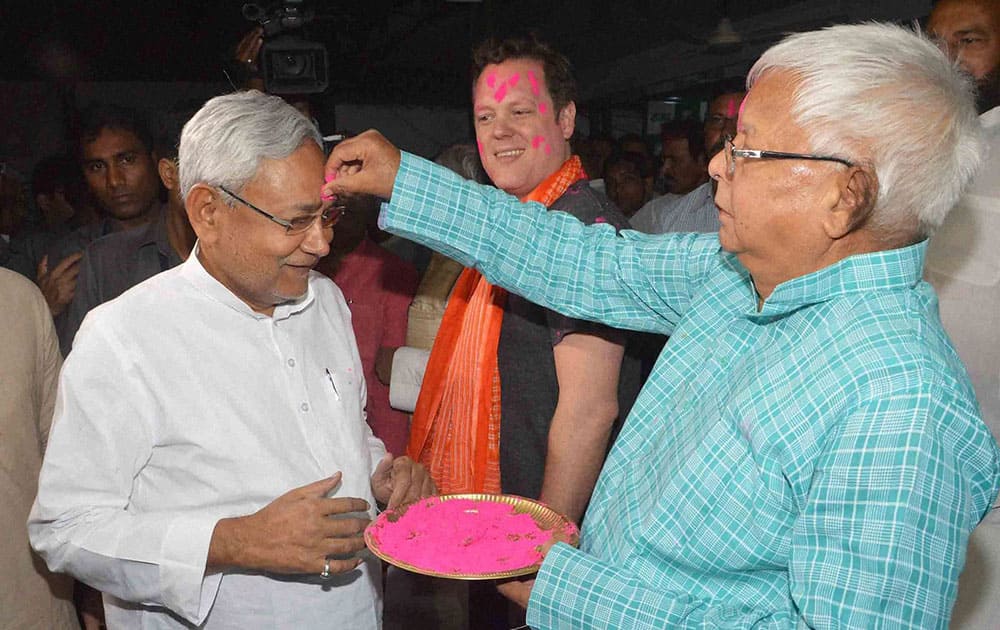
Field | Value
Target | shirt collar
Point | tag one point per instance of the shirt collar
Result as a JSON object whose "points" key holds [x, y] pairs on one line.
{"points": [[887, 270], [196, 274]]}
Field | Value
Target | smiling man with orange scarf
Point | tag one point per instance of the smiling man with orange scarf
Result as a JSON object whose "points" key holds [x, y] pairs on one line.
{"points": [[558, 384]]}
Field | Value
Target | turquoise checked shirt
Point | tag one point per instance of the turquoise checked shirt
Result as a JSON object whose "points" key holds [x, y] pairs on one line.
{"points": [[817, 463]]}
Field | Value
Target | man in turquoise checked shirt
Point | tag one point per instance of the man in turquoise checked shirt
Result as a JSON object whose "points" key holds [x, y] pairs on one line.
{"points": [[808, 451]]}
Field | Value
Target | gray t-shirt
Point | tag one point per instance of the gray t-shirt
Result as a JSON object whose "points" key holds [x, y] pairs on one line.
{"points": [[528, 386]]}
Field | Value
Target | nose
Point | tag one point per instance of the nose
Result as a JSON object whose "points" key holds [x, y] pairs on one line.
{"points": [[501, 127], [115, 176], [316, 240], [717, 165]]}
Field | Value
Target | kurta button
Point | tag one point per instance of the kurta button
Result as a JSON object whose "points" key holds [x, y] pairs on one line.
{"points": [[304, 407], [291, 363]]}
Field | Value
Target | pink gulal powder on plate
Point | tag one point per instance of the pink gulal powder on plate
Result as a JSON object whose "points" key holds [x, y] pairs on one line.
{"points": [[462, 536]]}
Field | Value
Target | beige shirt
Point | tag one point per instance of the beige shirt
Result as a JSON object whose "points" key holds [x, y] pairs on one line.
{"points": [[963, 264], [30, 596]]}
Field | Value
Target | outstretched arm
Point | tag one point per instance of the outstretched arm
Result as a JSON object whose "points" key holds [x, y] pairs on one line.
{"points": [[627, 281]]}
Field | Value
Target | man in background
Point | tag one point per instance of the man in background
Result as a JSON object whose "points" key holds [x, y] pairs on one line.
{"points": [[695, 211], [963, 264], [116, 154], [120, 260]]}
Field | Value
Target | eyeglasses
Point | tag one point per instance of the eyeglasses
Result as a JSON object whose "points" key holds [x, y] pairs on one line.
{"points": [[327, 218], [731, 153]]}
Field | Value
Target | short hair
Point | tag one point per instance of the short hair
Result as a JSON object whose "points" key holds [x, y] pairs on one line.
{"points": [[691, 130], [885, 95], [224, 143], [633, 138], [558, 71], [464, 160], [100, 116], [643, 164]]}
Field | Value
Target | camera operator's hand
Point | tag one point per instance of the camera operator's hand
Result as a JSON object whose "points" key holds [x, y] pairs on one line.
{"points": [[249, 47], [246, 60]]}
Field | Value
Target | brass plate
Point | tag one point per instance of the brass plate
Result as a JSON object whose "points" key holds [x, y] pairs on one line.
{"points": [[545, 517]]}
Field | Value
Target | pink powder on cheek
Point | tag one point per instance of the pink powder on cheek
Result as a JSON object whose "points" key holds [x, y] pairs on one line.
{"points": [[536, 141], [534, 83], [542, 108], [480, 145], [463, 536], [501, 92], [548, 149]]}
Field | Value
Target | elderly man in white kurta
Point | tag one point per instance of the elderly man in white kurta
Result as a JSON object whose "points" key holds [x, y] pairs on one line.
{"points": [[210, 463]]}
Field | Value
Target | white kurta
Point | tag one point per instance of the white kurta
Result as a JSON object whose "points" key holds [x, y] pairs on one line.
{"points": [[179, 406]]}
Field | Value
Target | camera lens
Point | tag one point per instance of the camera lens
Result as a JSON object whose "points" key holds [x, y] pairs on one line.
{"points": [[293, 65]]}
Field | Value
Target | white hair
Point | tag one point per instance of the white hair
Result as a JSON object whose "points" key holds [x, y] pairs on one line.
{"points": [[224, 143], [885, 96]]}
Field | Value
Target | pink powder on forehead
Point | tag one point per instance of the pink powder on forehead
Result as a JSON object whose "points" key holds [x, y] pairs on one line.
{"points": [[491, 80], [542, 108], [731, 107], [534, 83], [514, 78], [501, 92], [462, 536]]}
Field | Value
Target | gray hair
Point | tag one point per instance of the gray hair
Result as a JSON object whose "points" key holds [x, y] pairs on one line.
{"points": [[890, 93], [464, 160], [224, 143]]}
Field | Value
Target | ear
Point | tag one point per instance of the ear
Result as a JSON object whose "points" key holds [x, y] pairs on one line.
{"points": [[168, 173], [850, 202], [567, 120], [205, 210]]}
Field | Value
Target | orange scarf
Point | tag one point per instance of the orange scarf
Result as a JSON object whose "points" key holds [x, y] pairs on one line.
{"points": [[455, 432]]}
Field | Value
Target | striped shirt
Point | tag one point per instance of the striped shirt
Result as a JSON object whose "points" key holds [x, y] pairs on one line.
{"points": [[817, 463]]}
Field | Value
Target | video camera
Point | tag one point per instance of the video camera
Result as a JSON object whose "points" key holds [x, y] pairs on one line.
{"points": [[289, 63]]}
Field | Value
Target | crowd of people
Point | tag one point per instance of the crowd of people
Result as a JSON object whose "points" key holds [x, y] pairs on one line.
{"points": [[755, 360]]}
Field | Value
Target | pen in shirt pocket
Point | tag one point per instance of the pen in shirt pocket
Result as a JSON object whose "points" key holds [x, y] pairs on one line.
{"points": [[333, 383]]}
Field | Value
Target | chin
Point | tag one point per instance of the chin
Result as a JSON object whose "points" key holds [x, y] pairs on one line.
{"points": [[124, 214]]}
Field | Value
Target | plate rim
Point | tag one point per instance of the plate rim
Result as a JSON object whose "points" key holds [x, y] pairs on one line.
{"points": [[514, 500]]}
